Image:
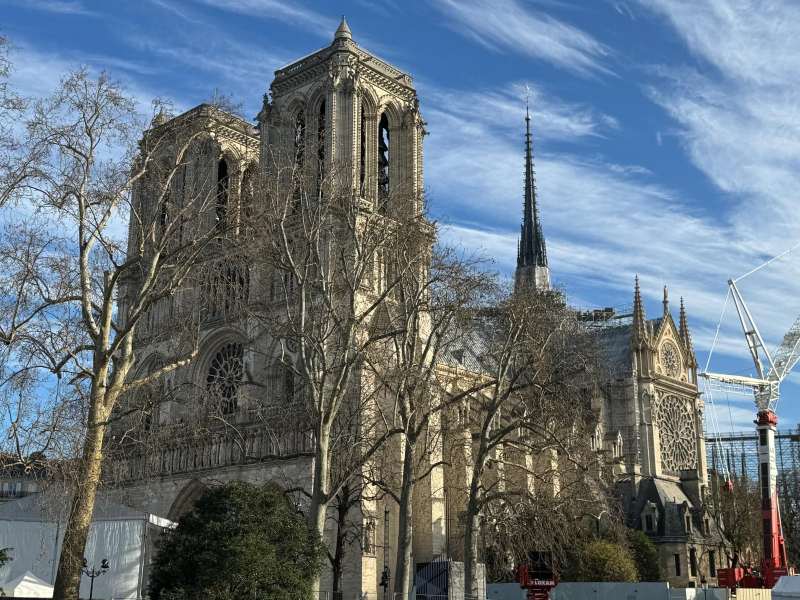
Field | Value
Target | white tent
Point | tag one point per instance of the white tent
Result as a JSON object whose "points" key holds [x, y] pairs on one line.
{"points": [[28, 585], [33, 527]]}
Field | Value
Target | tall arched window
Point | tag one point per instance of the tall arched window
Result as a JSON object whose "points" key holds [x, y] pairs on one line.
{"points": [[299, 139], [321, 143], [247, 201], [383, 158], [225, 376], [362, 175], [281, 383], [226, 289], [223, 184]]}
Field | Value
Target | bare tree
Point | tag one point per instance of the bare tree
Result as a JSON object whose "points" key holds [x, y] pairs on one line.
{"points": [[434, 295], [737, 512], [74, 295], [528, 428], [323, 251]]}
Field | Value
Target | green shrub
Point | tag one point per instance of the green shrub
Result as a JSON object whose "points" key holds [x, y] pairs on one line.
{"points": [[240, 541]]}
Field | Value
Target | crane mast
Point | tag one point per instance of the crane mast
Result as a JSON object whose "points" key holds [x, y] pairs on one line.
{"points": [[766, 391]]}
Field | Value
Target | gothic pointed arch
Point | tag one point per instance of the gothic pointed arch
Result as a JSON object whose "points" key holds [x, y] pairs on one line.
{"points": [[247, 199], [367, 141], [225, 288], [186, 499]]}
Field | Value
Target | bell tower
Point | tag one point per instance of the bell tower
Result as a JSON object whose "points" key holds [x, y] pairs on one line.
{"points": [[347, 118]]}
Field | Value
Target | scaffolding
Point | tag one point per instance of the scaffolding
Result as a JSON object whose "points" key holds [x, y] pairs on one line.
{"points": [[738, 452]]}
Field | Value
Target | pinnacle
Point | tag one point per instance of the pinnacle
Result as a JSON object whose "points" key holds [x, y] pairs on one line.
{"points": [[343, 31]]}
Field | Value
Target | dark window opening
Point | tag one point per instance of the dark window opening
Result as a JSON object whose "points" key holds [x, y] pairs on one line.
{"points": [[362, 176], [288, 384], [248, 200], [765, 481], [693, 562], [299, 151], [677, 565], [225, 376], [383, 159], [222, 191], [688, 524], [648, 523], [226, 290], [321, 144], [712, 563], [762, 437]]}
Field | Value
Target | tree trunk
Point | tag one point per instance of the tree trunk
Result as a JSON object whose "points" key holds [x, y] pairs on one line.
{"points": [[405, 521], [319, 492], [68, 578], [341, 532], [471, 532]]}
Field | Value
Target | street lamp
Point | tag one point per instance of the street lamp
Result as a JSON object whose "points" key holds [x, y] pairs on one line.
{"points": [[94, 572]]}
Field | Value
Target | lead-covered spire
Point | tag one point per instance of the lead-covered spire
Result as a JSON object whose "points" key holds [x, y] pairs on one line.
{"points": [[532, 268]]}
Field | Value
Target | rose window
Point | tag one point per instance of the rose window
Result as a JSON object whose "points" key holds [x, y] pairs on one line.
{"points": [[225, 376], [677, 432]]}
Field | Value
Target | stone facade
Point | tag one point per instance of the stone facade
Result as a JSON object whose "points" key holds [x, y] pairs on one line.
{"points": [[341, 113], [651, 430]]}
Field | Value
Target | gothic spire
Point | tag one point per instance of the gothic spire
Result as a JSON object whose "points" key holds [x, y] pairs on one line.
{"points": [[639, 321], [666, 301], [683, 329], [532, 269]]}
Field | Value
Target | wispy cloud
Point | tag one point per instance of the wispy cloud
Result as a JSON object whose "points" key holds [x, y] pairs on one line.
{"points": [[507, 25], [64, 7], [291, 13]]}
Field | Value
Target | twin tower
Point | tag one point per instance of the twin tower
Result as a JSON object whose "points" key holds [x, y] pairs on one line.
{"points": [[343, 114]]}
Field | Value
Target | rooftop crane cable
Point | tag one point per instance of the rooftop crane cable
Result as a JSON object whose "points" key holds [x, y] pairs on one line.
{"points": [[771, 260], [716, 333], [714, 418]]}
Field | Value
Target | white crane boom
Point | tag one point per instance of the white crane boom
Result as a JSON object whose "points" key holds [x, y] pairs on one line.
{"points": [[766, 389]]}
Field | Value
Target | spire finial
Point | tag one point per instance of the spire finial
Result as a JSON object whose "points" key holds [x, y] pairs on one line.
{"points": [[527, 102], [343, 31], [666, 301]]}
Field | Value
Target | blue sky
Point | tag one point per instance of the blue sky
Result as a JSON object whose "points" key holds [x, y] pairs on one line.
{"points": [[667, 136]]}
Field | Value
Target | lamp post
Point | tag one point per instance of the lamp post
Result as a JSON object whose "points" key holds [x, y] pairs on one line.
{"points": [[93, 573]]}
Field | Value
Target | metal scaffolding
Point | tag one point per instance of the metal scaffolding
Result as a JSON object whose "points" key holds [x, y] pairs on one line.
{"points": [[737, 454]]}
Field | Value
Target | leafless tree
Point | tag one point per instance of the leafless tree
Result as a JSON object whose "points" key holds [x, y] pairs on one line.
{"points": [[73, 295], [528, 430], [737, 512], [433, 298], [326, 255]]}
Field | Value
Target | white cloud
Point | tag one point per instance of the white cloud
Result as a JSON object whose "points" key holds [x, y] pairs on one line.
{"points": [[507, 25], [738, 110], [287, 12], [64, 7]]}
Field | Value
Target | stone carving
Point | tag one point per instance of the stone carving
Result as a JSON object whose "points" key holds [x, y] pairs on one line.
{"points": [[344, 74], [677, 433]]}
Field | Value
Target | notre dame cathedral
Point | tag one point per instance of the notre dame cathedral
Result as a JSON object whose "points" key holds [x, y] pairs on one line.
{"points": [[363, 112]]}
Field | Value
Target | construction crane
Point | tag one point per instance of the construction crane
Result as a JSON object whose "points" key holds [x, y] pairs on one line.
{"points": [[771, 370]]}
